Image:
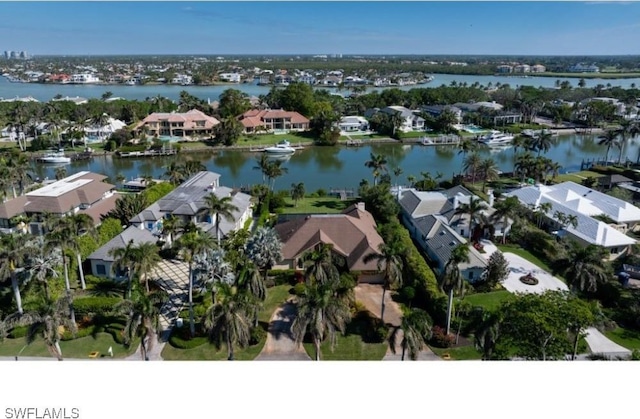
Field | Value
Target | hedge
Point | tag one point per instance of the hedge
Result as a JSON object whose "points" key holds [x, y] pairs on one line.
{"points": [[95, 305]]}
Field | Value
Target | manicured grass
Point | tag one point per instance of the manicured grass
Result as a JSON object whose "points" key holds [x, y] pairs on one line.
{"points": [[488, 300], [270, 139], [275, 297], [460, 353], [348, 348], [325, 205], [8, 144], [77, 348], [576, 177], [630, 339], [364, 137]]}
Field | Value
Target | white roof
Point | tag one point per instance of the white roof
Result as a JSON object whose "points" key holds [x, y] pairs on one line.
{"points": [[62, 186]]}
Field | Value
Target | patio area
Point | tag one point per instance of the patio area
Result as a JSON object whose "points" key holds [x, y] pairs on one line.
{"points": [[520, 267]]}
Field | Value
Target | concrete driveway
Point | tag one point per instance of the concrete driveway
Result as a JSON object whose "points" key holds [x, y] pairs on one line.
{"points": [[280, 345], [601, 345], [519, 266], [371, 296]]}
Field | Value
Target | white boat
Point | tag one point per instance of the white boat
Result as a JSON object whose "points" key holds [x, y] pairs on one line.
{"points": [[55, 157], [426, 141], [497, 138], [283, 147]]}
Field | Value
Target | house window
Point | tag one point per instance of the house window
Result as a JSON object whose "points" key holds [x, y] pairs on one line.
{"points": [[101, 270], [150, 226], [300, 263], [470, 275], [614, 250], [462, 233]]}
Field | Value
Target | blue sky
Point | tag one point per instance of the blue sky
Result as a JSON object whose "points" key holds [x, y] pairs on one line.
{"points": [[242, 27]]}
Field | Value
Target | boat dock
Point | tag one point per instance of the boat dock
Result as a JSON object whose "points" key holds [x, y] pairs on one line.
{"points": [[85, 155], [343, 194], [451, 139], [353, 143], [148, 153]]}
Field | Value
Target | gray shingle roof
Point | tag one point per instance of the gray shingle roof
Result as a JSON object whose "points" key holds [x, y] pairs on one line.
{"points": [[132, 233]]}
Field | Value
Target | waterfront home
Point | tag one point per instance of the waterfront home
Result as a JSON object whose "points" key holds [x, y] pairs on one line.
{"points": [[230, 77], [437, 110], [582, 68], [77, 100], [186, 125], [83, 78], [590, 208], [352, 236], [433, 223], [186, 202], [269, 120], [410, 121], [102, 261], [353, 124], [83, 192], [182, 79], [99, 132], [497, 115]]}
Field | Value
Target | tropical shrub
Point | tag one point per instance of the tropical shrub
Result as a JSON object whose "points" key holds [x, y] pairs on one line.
{"points": [[91, 306], [257, 335], [440, 339]]}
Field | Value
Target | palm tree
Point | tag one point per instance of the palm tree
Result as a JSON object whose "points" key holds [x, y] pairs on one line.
{"points": [[18, 167], [142, 312], [451, 278], [542, 142], [319, 266], [60, 173], [263, 163], [489, 170], [609, 139], [415, 330], [518, 142], [226, 320], [466, 146], [274, 170], [264, 249], [378, 163], [320, 314], [505, 210], [192, 244], [146, 259], [124, 261], [49, 322], [487, 334], [60, 236], [219, 208], [297, 192], [175, 173], [472, 209], [13, 255], [472, 164], [43, 266], [100, 119], [585, 268], [628, 129], [78, 224], [389, 261]]}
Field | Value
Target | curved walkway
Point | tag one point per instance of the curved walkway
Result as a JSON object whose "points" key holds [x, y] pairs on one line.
{"points": [[371, 295], [280, 345]]}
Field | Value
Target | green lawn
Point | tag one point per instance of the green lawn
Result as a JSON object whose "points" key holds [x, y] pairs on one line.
{"points": [[630, 339], [8, 144], [348, 348], [325, 205], [461, 353], [77, 348], [275, 297], [576, 177], [488, 300]]}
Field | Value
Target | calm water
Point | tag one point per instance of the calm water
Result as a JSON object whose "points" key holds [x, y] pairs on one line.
{"points": [[46, 92], [340, 167]]}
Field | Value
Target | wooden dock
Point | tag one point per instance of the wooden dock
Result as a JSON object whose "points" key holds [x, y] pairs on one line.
{"points": [[343, 193], [451, 139], [147, 153], [354, 143]]}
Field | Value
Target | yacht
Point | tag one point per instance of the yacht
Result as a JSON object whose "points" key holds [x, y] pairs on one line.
{"points": [[283, 147], [55, 157], [496, 138]]}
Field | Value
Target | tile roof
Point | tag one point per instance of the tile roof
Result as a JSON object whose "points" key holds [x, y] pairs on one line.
{"points": [[255, 117], [100, 208], [353, 235], [13, 207], [132, 233], [188, 118]]}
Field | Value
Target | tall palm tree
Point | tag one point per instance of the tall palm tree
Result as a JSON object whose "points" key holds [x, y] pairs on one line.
{"points": [[297, 192], [489, 170], [628, 129], [219, 208], [226, 320], [389, 261], [60, 236], [175, 173], [487, 334], [264, 249], [320, 314], [585, 267], [192, 244], [466, 146], [124, 261], [43, 266], [18, 166], [146, 259], [13, 257], [378, 163], [60, 173], [518, 142], [415, 330], [262, 164], [542, 142], [274, 170], [320, 267], [472, 209], [472, 164], [79, 224], [609, 139], [142, 312], [505, 210], [451, 278], [49, 322]]}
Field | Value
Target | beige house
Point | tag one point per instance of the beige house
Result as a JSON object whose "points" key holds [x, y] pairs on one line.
{"points": [[193, 123], [268, 120], [352, 234]]}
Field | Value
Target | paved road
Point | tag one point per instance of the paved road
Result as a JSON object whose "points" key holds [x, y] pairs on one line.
{"points": [[280, 345]]}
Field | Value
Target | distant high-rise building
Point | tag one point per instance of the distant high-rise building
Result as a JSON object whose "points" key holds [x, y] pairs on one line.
{"points": [[7, 54], [16, 55]]}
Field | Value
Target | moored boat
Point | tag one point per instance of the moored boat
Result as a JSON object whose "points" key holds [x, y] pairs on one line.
{"points": [[55, 157], [283, 147]]}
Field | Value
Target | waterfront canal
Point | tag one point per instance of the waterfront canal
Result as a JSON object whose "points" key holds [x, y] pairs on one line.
{"points": [[340, 167]]}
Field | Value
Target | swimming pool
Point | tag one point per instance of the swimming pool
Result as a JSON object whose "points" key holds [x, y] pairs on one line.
{"points": [[169, 138], [474, 129]]}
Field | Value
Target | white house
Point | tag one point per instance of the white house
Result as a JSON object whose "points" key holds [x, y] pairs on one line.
{"points": [[353, 124], [410, 121], [585, 204], [230, 77], [182, 79]]}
